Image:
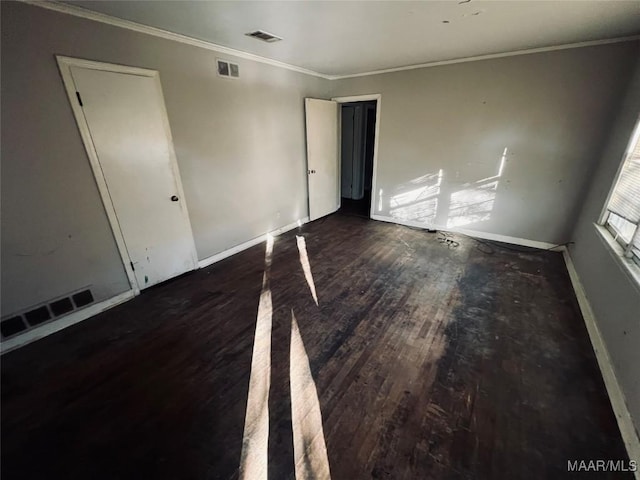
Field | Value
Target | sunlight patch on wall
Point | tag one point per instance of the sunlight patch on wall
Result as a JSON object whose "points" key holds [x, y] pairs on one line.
{"points": [[473, 204], [418, 203], [435, 200], [502, 160]]}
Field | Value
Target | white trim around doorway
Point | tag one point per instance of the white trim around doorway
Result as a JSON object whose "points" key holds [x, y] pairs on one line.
{"points": [[65, 64]]}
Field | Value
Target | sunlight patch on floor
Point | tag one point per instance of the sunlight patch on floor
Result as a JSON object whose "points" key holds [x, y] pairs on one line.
{"points": [[310, 451], [306, 267], [255, 439]]}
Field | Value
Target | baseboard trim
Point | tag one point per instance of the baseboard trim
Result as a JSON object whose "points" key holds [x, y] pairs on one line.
{"points": [[470, 233], [205, 262], [63, 322], [55, 326], [616, 395]]}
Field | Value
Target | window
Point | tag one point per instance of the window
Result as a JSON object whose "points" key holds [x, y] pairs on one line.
{"points": [[622, 214]]}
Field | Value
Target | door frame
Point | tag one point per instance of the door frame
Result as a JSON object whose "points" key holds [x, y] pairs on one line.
{"points": [[65, 64], [362, 98]]}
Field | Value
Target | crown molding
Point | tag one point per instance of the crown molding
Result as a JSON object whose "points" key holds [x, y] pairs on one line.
{"points": [[177, 37], [158, 32], [590, 43]]}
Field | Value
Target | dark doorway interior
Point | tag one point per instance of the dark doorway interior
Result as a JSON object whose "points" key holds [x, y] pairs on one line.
{"points": [[357, 145]]}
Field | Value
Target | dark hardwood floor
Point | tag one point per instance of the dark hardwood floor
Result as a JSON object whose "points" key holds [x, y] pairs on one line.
{"points": [[429, 362], [358, 208]]}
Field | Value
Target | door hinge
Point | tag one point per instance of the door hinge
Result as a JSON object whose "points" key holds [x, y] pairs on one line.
{"points": [[132, 267], [79, 99]]}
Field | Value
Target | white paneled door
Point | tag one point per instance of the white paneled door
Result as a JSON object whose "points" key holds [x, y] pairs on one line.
{"points": [[322, 157], [129, 134]]}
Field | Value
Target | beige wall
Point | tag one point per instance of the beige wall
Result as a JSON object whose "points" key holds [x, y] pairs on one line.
{"points": [[613, 295], [240, 146], [550, 110], [565, 117]]}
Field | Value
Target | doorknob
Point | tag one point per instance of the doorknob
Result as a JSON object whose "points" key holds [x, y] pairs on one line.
{"points": [[174, 198], [311, 171]]}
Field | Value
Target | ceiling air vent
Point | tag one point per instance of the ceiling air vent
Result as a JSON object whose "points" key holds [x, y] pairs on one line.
{"points": [[264, 36]]}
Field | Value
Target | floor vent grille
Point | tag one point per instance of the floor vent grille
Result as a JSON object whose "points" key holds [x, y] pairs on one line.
{"points": [[12, 325], [34, 316]]}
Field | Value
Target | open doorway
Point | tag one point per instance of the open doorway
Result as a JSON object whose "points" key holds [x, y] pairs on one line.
{"points": [[357, 147]]}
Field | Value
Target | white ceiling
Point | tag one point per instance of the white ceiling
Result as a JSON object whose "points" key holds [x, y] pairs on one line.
{"points": [[346, 37]]}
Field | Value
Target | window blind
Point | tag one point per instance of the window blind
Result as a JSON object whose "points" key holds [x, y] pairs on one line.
{"points": [[625, 200]]}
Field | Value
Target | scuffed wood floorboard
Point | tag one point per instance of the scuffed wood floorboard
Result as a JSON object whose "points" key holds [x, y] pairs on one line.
{"points": [[429, 362]]}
